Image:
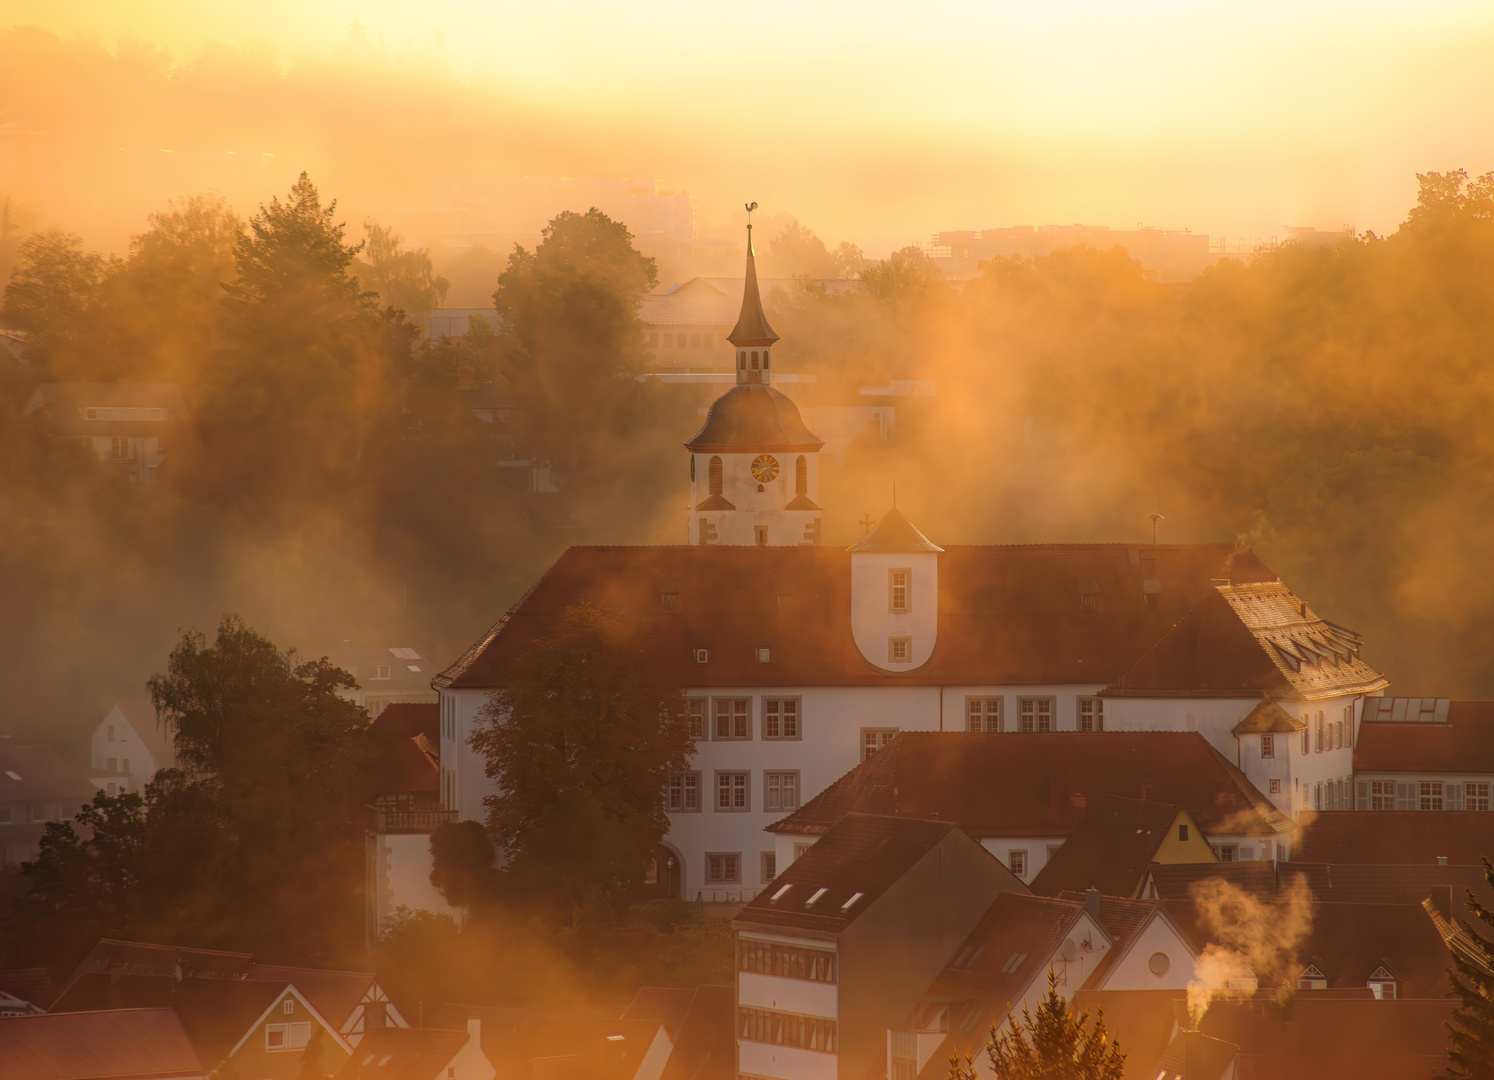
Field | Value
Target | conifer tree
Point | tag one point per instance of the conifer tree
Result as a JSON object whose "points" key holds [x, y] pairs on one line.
{"points": [[1470, 1039], [1054, 1044]]}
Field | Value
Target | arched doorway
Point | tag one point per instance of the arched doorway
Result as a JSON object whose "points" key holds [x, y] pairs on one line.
{"points": [[662, 875]]}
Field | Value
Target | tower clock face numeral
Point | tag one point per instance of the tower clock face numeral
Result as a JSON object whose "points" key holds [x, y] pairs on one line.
{"points": [[764, 468]]}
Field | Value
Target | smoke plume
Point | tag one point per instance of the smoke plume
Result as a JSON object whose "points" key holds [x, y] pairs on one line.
{"points": [[1252, 943]]}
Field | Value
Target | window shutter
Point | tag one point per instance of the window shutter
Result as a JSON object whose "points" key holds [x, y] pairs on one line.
{"points": [[1405, 796], [1363, 796], [1453, 796]]}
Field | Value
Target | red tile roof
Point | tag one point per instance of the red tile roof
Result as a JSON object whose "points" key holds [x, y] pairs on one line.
{"points": [[1397, 837], [1007, 615], [407, 738], [1464, 744], [1249, 640], [1035, 783], [1344, 883], [403, 1054], [122, 1043], [704, 1035], [1110, 848]]}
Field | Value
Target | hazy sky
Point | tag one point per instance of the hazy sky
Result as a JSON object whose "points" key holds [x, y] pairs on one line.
{"points": [[879, 121]]}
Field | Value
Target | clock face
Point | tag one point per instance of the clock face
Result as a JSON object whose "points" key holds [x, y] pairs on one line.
{"points": [[764, 468]]}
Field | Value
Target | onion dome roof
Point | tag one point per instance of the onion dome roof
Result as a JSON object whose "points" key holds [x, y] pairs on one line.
{"points": [[754, 416]]}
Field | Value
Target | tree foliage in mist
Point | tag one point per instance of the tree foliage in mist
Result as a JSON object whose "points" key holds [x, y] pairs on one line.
{"points": [[581, 743], [1054, 1044], [1470, 1030], [403, 278], [254, 844]]}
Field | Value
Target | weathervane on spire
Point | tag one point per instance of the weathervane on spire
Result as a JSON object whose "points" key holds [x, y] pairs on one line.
{"points": [[750, 207]]}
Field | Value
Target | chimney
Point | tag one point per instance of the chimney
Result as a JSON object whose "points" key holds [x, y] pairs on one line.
{"points": [[1092, 902], [1442, 900], [1441, 860], [474, 1031], [1146, 790]]}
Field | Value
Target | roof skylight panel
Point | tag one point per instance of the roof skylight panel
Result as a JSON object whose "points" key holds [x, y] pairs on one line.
{"points": [[821, 891]]}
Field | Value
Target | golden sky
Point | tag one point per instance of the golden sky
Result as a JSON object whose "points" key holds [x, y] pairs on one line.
{"points": [[882, 122]]}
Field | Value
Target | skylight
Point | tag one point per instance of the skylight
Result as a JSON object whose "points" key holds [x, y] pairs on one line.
{"points": [[817, 894], [779, 893], [12, 775], [851, 902], [1011, 966]]}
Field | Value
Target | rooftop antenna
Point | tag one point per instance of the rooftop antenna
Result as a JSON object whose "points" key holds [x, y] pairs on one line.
{"points": [[1154, 518]]}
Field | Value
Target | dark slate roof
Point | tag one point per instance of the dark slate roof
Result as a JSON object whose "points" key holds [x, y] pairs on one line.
{"points": [[403, 1054], [752, 327], [1193, 1054], [1036, 783], [754, 416], [1007, 614], [1463, 744], [1348, 942], [1111, 847], [895, 534], [1397, 837], [1268, 717], [38, 773], [571, 1044], [408, 747], [1344, 883], [863, 854], [109, 1043], [699, 1022], [1251, 640]]}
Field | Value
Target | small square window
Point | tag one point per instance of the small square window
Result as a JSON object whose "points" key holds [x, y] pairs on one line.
{"points": [[724, 868], [1016, 862], [983, 714], [781, 718], [899, 650], [671, 601], [764, 655], [1275, 787], [760, 535], [770, 866], [702, 656], [733, 796], [873, 739]]}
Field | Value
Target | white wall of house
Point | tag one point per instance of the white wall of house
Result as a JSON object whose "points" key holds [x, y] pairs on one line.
{"points": [[118, 748], [876, 624], [1412, 790], [401, 875], [1135, 969]]}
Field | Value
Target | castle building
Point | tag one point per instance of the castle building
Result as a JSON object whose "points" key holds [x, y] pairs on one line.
{"points": [[799, 661]]}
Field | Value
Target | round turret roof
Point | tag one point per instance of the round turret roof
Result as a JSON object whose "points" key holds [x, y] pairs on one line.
{"points": [[753, 416]]}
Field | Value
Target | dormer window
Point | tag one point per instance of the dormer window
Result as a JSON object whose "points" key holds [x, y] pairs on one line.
{"points": [[900, 591], [1312, 979], [671, 601], [1382, 984]]}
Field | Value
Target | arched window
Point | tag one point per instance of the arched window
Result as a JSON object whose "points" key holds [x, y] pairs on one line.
{"points": [[765, 359], [692, 468], [742, 359], [715, 476], [754, 361], [801, 476]]}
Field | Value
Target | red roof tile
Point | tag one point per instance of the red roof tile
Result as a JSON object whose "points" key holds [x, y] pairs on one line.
{"points": [[1007, 615], [97, 1046], [1035, 783], [1110, 848], [1347, 883], [1464, 744], [1397, 837]]}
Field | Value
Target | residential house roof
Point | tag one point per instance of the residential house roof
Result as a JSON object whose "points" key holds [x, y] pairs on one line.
{"points": [[1463, 743], [77, 409], [140, 1044], [699, 1021], [1111, 846], [1267, 718], [1251, 640], [1192, 1055], [1397, 837], [1348, 943], [403, 1054], [846, 872], [1344, 883], [408, 741], [1143, 1022], [29, 984], [1008, 615], [38, 773], [554, 1044], [1037, 783]]}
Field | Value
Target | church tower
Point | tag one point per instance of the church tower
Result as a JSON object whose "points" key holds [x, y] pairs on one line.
{"points": [[754, 466]]}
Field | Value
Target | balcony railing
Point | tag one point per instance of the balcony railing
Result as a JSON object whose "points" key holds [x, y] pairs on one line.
{"points": [[403, 819]]}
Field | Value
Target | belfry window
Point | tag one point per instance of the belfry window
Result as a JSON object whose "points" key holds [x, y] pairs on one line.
{"points": [[801, 476], [765, 359], [714, 476], [754, 361], [742, 359]]}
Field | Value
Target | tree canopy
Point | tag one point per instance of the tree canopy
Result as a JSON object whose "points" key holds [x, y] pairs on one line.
{"points": [[1055, 1043]]}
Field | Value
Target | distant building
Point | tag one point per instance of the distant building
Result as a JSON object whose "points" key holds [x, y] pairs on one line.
{"points": [[385, 674], [1425, 754], [113, 1044], [130, 744], [127, 426], [1116, 843], [37, 785], [1174, 255], [420, 1054]]}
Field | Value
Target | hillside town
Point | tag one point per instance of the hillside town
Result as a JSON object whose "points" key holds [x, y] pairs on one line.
{"points": [[922, 789]]}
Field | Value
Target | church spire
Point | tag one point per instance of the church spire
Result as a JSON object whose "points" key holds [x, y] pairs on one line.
{"points": [[752, 335]]}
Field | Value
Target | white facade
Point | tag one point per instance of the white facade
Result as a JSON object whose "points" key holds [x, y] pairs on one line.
{"points": [[895, 607], [128, 749], [759, 486]]}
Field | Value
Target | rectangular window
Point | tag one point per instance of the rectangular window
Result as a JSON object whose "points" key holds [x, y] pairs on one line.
{"points": [[287, 1036], [671, 601], [1475, 796], [724, 868], [732, 792], [899, 650], [760, 535], [120, 447], [983, 714], [733, 718], [873, 739], [781, 718], [1429, 795], [1035, 713], [785, 961], [1016, 862], [770, 866], [801, 850], [695, 713], [781, 790], [899, 591], [1305, 734], [1268, 746], [1091, 714], [1275, 787], [1321, 724], [1225, 852], [683, 793], [788, 1029]]}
